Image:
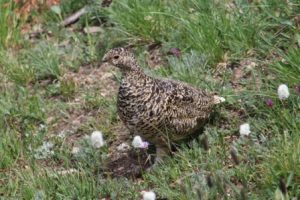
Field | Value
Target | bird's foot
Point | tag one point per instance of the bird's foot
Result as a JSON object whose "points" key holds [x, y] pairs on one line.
{"points": [[157, 163], [161, 153]]}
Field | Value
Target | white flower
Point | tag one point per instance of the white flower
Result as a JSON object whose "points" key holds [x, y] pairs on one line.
{"points": [[148, 18], [67, 171], [137, 142], [283, 92], [42, 126], [62, 135], [245, 129], [75, 150], [148, 195], [97, 139]]}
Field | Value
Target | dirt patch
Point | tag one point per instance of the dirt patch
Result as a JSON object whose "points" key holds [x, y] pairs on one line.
{"points": [[241, 72], [99, 80], [131, 163], [89, 80]]}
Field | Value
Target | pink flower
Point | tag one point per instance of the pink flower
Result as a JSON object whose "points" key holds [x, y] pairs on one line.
{"points": [[175, 51], [144, 145], [269, 103], [297, 88]]}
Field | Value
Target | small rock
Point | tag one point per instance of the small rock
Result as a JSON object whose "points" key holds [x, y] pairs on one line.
{"points": [[92, 29]]}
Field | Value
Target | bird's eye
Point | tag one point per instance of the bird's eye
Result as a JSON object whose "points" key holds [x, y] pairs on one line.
{"points": [[116, 57]]}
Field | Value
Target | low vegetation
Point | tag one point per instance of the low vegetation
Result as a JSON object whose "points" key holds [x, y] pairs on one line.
{"points": [[54, 95]]}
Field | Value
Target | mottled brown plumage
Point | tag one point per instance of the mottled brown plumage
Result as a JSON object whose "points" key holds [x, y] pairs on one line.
{"points": [[161, 111]]}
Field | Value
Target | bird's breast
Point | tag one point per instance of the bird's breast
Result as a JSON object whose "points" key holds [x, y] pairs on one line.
{"points": [[130, 101], [140, 105]]}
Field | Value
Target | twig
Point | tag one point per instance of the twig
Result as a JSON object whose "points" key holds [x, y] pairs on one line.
{"points": [[74, 17]]}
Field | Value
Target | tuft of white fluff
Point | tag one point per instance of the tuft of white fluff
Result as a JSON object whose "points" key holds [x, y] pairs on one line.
{"points": [[148, 195], [123, 147], [218, 99], [245, 129], [97, 139], [283, 92], [137, 142]]}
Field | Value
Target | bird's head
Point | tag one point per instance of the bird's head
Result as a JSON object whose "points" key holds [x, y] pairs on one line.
{"points": [[121, 57]]}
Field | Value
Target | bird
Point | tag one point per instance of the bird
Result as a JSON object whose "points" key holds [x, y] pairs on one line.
{"points": [[162, 111]]}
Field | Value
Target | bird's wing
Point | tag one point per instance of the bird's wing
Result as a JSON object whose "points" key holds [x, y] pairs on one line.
{"points": [[184, 101], [186, 108]]}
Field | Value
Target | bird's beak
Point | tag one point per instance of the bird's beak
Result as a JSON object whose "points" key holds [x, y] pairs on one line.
{"points": [[104, 60]]}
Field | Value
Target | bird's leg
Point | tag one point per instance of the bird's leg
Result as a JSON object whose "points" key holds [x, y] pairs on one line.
{"points": [[161, 153]]}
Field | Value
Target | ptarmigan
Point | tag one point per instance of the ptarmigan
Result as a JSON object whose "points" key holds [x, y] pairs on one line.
{"points": [[161, 111]]}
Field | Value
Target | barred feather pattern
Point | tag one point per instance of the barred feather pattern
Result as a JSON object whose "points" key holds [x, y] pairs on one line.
{"points": [[159, 110]]}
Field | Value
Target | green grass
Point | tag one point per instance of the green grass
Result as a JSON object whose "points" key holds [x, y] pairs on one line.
{"points": [[46, 90], [9, 24]]}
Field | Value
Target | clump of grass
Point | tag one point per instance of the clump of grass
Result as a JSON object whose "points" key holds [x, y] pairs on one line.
{"points": [[288, 69], [139, 15], [44, 60], [194, 69], [15, 70], [21, 111], [209, 27], [9, 25], [68, 88], [10, 148], [281, 162], [96, 101]]}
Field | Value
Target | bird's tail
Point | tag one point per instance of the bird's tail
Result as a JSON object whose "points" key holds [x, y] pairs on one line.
{"points": [[218, 99]]}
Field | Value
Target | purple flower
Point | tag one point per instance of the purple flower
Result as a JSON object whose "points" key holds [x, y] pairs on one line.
{"points": [[144, 145], [269, 103], [297, 88], [175, 52]]}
